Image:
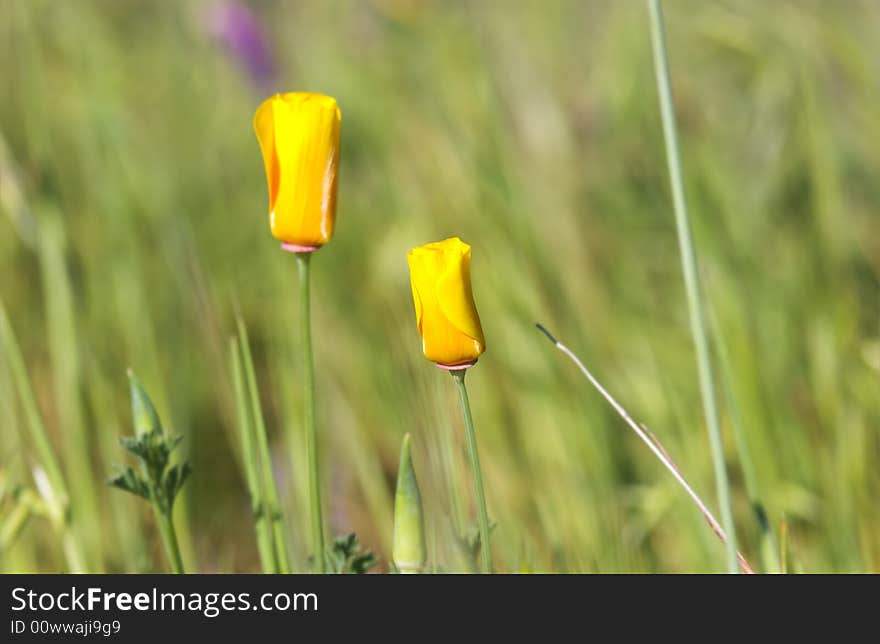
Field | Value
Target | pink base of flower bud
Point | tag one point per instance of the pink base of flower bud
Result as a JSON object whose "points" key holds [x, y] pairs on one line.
{"points": [[455, 367], [295, 248]]}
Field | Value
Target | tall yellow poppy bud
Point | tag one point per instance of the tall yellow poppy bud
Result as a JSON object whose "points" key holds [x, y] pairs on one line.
{"points": [[440, 274], [299, 136]]}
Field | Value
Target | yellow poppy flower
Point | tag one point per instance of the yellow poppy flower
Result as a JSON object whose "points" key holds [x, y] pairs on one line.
{"points": [[440, 274], [299, 136]]}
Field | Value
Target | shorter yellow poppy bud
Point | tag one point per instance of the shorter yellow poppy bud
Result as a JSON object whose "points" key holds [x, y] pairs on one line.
{"points": [[299, 136], [440, 274]]}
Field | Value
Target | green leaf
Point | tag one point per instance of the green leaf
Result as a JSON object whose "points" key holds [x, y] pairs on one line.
{"points": [[174, 479], [129, 481], [136, 446], [361, 563], [172, 441], [347, 557]]}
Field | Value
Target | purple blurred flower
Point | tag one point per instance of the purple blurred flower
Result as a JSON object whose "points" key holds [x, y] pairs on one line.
{"points": [[239, 29]]}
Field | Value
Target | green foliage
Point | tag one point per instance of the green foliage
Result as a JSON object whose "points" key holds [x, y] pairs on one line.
{"points": [[158, 482], [347, 556], [127, 480]]}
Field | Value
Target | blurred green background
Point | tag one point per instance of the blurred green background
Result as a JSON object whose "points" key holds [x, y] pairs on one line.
{"points": [[134, 215]]}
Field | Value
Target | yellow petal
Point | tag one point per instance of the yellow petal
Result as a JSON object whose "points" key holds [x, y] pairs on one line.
{"points": [[264, 125], [446, 317], [417, 301], [454, 290], [303, 134]]}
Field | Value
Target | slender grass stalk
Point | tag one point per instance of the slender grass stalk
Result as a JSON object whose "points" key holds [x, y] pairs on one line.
{"points": [[51, 483], [13, 525], [446, 450], [63, 350], [16, 508], [303, 260], [262, 527], [691, 279], [651, 441], [769, 547], [783, 546], [270, 490], [25, 503], [37, 429], [59, 517], [471, 436]]}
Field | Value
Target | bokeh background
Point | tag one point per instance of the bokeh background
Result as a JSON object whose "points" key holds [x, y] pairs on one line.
{"points": [[134, 217]]}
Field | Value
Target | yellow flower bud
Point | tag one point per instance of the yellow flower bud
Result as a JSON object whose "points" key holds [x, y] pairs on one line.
{"points": [[299, 136], [408, 549], [440, 274]]}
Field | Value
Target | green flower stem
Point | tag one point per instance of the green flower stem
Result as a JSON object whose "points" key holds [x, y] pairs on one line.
{"points": [[691, 279], [303, 259], [270, 491], [163, 510], [169, 536], [265, 545], [485, 546]]}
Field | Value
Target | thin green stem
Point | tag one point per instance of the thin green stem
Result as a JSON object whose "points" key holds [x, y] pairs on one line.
{"points": [[471, 437], [265, 545], [162, 509], [691, 278], [270, 490], [169, 536], [303, 259]]}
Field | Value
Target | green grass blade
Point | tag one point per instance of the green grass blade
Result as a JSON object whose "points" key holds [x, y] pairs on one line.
{"points": [[691, 278], [64, 354], [265, 543], [54, 489], [768, 546], [270, 489], [33, 418]]}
